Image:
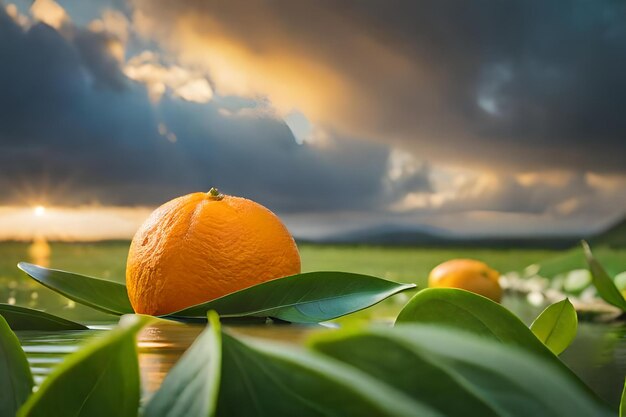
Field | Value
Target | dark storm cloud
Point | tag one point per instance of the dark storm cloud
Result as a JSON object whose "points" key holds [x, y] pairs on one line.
{"points": [[72, 126], [516, 85], [94, 50]]}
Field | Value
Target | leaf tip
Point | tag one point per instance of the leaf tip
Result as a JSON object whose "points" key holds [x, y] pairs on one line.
{"points": [[23, 266], [30, 269], [586, 249], [213, 318], [132, 320]]}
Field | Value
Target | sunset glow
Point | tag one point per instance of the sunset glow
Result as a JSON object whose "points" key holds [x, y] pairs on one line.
{"points": [[39, 211], [70, 223]]}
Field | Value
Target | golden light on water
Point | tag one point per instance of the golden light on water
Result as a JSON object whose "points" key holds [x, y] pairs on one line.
{"points": [[39, 251]]}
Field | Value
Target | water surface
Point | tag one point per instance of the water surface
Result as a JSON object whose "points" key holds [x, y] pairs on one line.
{"points": [[598, 355]]}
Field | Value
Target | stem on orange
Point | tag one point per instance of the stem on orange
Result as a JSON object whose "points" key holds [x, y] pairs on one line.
{"points": [[214, 194]]}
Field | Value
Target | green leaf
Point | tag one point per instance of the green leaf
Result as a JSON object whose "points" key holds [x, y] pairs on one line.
{"points": [[107, 296], [474, 313], [190, 389], [22, 318], [492, 378], [16, 381], [268, 379], [470, 312], [304, 298], [406, 369], [556, 326], [603, 283], [101, 379]]}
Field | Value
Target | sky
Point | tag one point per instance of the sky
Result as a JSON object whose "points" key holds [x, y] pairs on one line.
{"points": [[481, 118]]}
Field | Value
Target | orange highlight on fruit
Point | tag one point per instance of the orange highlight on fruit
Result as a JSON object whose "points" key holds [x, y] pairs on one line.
{"points": [[467, 274], [202, 246]]}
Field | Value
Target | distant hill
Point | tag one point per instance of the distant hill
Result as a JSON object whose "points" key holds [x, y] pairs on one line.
{"points": [[390, 235], [615, 235], [411, 235]]}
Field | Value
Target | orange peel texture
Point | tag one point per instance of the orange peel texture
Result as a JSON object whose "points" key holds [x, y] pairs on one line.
{"points": [[202, 246], [467, 274]]}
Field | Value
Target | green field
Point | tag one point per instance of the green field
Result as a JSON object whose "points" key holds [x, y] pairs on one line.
{"points": [[107, 260]]}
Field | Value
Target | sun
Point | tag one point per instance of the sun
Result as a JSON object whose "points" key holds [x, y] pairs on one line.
{"points": [[39, 211]]}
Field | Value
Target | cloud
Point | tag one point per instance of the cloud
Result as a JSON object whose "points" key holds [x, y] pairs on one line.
{"points": [[50, 13], [551, 196], [147, 69], [387, 127], [80, 131], [515, 86], [112, 22]]}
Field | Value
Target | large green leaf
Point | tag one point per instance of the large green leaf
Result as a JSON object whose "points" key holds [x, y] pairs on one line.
{"points": [[101, 379], [108, 296], [268, 379], [190, 389], [488, 377], [16, 381], [473, 313], [470, 312], [304, 298], [556, 326], [603, 283], [22, 318], [405, 369]]}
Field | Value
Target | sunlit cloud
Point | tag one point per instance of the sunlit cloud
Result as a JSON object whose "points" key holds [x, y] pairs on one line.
{"points": [[159, 78], [477, 99], [49, 12], [284, 77], [15, 14], [112, 21]]}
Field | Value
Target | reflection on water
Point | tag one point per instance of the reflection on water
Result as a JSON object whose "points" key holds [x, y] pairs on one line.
{"points": [[104, 260], [599, 358], [162, 344], [46, 349], [39, 251], [598, 355]]}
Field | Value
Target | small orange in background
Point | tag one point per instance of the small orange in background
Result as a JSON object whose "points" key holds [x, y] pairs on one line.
{"points": [[202, 246], [467, 274]]}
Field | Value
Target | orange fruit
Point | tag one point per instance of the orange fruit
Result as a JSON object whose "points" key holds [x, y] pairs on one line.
{"points": [[467, 274], [202, 246]]}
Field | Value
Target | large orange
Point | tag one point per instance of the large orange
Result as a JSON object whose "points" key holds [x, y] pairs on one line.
{"points": [[467, 274], [202, 246]]}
